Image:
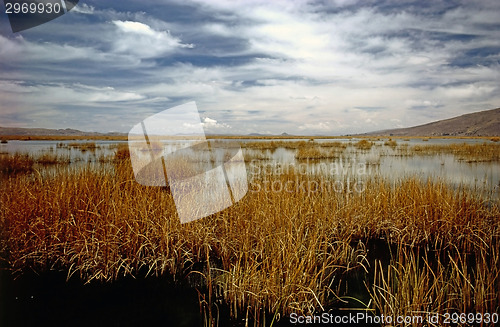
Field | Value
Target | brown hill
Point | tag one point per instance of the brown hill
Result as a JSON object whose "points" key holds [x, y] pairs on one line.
{"points": [[40, 131], [19, 131], [483, 123]]}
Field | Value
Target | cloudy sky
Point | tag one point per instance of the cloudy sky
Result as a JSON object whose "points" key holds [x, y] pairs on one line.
{"points": [[302, 67]]}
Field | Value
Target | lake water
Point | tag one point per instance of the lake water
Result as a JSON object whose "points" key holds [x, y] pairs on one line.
{"points": [[380, 160]]}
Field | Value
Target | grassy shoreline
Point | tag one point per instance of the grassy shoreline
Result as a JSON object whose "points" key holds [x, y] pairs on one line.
{"points": [[256, 137]]}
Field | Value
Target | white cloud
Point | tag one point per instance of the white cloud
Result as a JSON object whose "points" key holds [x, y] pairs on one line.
{"points": [[211, 124], [421, 103], [142, 41], [18, 49], [219, 29], [469, 91], [319, 127], [55, 94]]}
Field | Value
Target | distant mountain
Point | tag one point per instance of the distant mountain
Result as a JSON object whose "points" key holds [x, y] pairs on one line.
{"points": [[18, 131], [483, 123]]}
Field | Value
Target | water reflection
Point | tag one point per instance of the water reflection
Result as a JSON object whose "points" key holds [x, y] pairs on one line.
{"points": [[384, 162], [379, 160]]}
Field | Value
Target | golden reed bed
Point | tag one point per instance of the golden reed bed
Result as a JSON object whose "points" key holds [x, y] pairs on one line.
{"points": [[271, 254]]}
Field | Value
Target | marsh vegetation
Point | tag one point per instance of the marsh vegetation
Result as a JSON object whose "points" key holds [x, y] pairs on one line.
{"points": [[395, 246]]}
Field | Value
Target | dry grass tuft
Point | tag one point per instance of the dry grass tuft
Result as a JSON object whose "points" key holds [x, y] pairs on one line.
{"points": [[274, 144], [465, 152], [363, 145], [52, 159], [318, 152], [122, 152], [84, 146], [391, 143], [15, 163]]}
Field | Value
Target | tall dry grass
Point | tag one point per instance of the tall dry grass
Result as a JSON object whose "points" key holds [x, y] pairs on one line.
{"points": [[23, 163], [15, 163], [274, 252], [363, 144], [422, 282], [273, 144], [318, 152], [483, 152], [390, 142]]}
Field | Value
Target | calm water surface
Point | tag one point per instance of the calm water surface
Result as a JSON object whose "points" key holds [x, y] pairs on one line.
{"points": [[380, 160]]}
